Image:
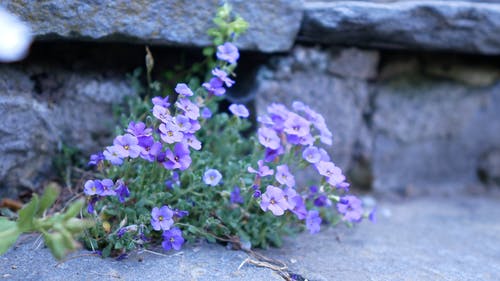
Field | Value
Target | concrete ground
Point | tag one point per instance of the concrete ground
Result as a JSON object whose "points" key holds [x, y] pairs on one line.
{"points": [[429, 238]]}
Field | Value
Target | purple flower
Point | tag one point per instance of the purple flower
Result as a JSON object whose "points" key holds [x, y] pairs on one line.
{"points": [[183, 123], [169, 184], [298, 207], [324, 155], [313, 221], [278, 114], [91, 204], [192, 141], [128, 146], [311, 154], [161, 218], [212, 177], [257, 194], [235, 197], [305, 140], [112, 154], [107, 186], [96, 159], [228, 52], [263, 170], [183, 89], [239, 110], [191, 110], [272, 154], [172, 239], [274, 199], [332, 173], [178, 159], [151, 148], [214, 87], [162, 114], [322, 201], [170, 133], [163, 102], [92, 187], [180, 213], [206, 113], [268, 138], [371, 215], [284, 176], [351, 208], [139, 129], [195, 126], [297, 125], [222, 75], [121, 190]]}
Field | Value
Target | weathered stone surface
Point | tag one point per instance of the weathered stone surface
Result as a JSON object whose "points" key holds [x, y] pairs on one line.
{"points": [[432, 132], [459, 26], [44, 107], [172, 22], [323, 80]]}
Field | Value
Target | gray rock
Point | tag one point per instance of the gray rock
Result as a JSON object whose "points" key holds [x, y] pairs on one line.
{"points": [[43, 108], [432, 133], [429, 25], [170, 22], [306, 75]]}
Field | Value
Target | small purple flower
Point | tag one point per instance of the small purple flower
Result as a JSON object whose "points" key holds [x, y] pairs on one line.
{"points": [[151, 148], [272, 154], [268, 138], [298, 207], [371, 215], [284, 176], [297, 125], [169, 184], [191, 110], [305, 140], [215, 87], [107, 186], [239, 110], [257, 194], [311, 154], [170, 133], [163, 102], [172, 239], [222, 75], [351, 208], [183, 123], [161, 218], [228, 52], [96, 159], [92, 187], [274, 199], [278, 114], [313, 221], [195, 126], [332, 173], [128, 146], [139, 129], [91, 204], [180, 213], [162, 114], [263, 170], [206, 113], [235, 197], [212, 177], [183, 89], [112, 154], [192, 141], [177, 159], [121, 190], [322, 201]]}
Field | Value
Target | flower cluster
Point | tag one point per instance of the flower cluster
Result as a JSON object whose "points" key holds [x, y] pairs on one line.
{"points": [[96, 189]]}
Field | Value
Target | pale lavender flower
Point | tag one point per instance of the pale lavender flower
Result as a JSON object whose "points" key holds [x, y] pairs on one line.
{"points": [[162, 114], [311, 154], [128, 146], [298, 207], [161, 218], [351, 208], [262, 171], [112, 154], [183, 123], [107, 186], [272, 154], [195, 126], [92, 187], [170, 133], [313, 221], [222, 75], [96, 159], [191, 110], [163, 102], [139, 129], [297, 125], [274, 200], [212, 177], [192, 141], [268, 138], [332, 173], [284, 176], [239, 110], [278, 114], [306, 140], [228, 52], [151, 148], [177, 159], [215, 87], [324, 155], [172, 239], [183, 89], [121, 190]]}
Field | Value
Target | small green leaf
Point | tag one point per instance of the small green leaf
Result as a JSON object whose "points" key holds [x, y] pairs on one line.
{"points": [[74, 209], [56, 243], [8, 235], [48, 198], [27, 214], [6, 224]]}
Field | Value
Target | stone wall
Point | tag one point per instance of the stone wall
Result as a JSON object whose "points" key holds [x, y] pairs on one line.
{"points": [[406, 116]]}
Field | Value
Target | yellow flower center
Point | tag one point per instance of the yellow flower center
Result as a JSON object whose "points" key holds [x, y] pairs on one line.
{"points": [[160, 218]]}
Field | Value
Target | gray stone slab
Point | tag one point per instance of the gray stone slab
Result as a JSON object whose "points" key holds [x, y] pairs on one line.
{"points": [[461, 26], [273, 24]]}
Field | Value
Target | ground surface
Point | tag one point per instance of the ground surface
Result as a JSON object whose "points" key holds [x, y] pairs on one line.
{"points": [[420, 239]]}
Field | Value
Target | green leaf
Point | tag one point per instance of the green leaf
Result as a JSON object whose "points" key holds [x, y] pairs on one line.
{"points": [[27, 214], [74, 209], [8, 234], [56, 243], [48, 198]]}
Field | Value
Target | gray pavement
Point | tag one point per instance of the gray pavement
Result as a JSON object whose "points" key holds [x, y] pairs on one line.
{"points": [[419, 239]]}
